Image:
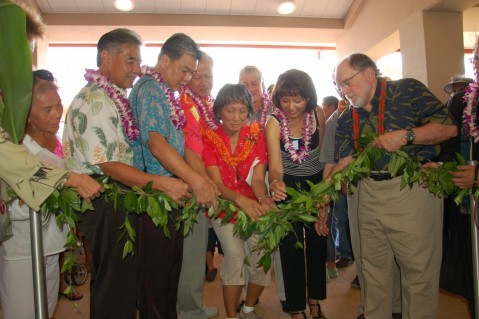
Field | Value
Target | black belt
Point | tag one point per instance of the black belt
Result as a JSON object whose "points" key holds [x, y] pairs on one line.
{"points": [[380, 176]]}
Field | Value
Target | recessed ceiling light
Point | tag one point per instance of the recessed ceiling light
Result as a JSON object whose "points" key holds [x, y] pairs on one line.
{"points": [[123, 5], [286, 6]]}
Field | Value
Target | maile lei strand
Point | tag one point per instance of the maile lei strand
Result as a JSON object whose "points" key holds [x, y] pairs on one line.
{"points": [[382, 103], [118, 96], [469, 115], [177, 114], [297, 156], [206, 114], [233, 161]]}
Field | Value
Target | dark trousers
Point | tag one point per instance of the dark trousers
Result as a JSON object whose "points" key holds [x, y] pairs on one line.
{"points": [[159, 266], [113, 285], [303, 268]]}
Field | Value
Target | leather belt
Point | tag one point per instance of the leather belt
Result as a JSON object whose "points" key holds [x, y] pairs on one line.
{"points": [[380, 176]]}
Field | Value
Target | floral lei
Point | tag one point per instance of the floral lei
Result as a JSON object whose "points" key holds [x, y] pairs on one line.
{"points": [[382, 103], [265, 106], [177, 114], [233, 161], [206, 113], [285, 133], [119, 98], [469, 115]]}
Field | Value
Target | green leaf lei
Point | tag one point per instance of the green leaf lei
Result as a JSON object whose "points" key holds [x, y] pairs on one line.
{"points": [[272, 226]]}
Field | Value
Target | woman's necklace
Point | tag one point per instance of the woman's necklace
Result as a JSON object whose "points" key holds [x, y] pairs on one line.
{"points": [[226, 155], [177, 115], [206, 114], [297, 156], [265, 107], [382, 103], [118, 96], [469, 115]]}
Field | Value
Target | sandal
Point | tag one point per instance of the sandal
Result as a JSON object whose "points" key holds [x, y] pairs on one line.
{"points": [[320, 314], [73, 296], [292, 313]]}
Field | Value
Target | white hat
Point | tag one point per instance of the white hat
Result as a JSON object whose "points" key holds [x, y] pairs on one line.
{"points": [[455, 80]]}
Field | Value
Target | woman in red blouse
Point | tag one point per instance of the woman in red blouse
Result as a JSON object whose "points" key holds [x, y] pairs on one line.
{"points": [[235, 158]]}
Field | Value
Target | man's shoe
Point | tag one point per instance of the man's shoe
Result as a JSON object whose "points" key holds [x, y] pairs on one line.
{"points": [[210, 311], [397, 315], [355, 283], [344, 262], [210, 275], [284, 306], [249, 315]]}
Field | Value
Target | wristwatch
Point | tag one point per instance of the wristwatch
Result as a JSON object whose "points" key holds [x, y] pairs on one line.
{"points": [[410, 136]]}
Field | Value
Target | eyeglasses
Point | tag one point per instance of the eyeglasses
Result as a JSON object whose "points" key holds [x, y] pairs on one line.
{"points": [[474, 58], [346, 83], [43, 75]]}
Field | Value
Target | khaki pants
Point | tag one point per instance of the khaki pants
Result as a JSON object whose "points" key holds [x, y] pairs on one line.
{"points": [[356, 247], [403, 226]]}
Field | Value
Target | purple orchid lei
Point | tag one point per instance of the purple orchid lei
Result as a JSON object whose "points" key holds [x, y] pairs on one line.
{"points": [[118, 96], [285, 133], [206, 113], [265, 106], [469, 115], [177, 114]]}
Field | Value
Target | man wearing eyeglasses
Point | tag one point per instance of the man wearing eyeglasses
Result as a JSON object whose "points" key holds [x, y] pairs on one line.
{"points": [[395, 226]]}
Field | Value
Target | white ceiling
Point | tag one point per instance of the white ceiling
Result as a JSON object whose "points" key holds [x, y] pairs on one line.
{"points": [[335, 9]]}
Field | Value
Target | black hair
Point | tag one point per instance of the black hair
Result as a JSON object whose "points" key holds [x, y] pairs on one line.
{"points": [[331, 100], [232, 93], [179, 44], [113, 40], [295, 83]]}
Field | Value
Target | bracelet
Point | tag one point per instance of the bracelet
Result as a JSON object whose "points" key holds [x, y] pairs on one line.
{"points": [[263, 197], [474, 186], [274, 180]]}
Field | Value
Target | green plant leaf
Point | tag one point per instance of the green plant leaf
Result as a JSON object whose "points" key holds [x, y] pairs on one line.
{"points": [[16, 78]]}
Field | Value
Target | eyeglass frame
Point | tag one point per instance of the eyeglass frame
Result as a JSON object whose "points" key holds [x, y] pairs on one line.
{"points": [[347, 82]]}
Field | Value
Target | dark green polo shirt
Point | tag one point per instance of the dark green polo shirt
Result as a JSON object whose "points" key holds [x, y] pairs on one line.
{"points": [[409, 104]]}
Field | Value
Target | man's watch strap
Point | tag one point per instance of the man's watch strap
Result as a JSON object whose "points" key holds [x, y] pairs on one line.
{"points": [[410, 136]]}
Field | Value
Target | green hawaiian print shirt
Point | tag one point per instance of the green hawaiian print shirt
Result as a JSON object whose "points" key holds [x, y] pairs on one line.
{"points": [[409, 104], [93, 133]]}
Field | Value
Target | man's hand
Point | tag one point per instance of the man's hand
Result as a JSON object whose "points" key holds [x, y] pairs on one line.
{"points": [[464, 176], [391, 141], [175, 188]]}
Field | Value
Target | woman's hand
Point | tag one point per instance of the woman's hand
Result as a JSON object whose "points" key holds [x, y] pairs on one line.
{"points": [[321, 225], [267, 202], [464, 176], [278, 190], [87, 187], [251, 208]]}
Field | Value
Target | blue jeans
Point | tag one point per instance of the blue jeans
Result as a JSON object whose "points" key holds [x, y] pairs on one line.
{"points": [[343, 238]]}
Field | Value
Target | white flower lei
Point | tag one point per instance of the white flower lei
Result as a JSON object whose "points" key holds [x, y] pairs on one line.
{"points": [[285, 133], [119, 98], [177, 114], [469, 115], [206, 113]]}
